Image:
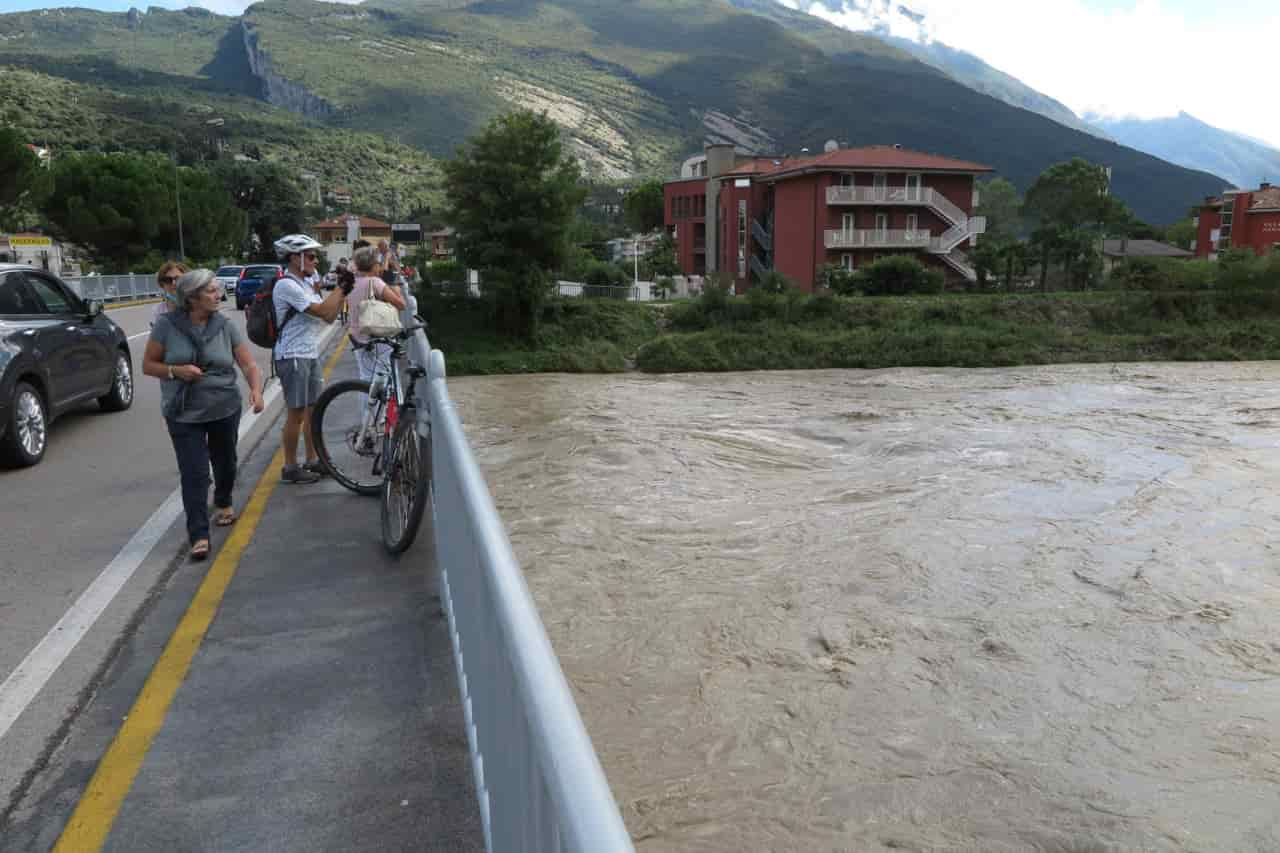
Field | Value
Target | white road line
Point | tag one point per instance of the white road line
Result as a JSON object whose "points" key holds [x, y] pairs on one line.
{"points": [[140, 334], [29, 678]]}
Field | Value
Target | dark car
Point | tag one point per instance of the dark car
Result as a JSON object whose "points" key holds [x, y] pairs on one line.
{"points": [[253, 277], [56, 352]]}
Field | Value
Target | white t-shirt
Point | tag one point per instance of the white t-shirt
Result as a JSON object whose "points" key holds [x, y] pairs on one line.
{"points": [[300, 338]]}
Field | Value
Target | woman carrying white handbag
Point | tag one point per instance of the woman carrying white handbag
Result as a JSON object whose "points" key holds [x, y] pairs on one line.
{"points": [[373, 310]]}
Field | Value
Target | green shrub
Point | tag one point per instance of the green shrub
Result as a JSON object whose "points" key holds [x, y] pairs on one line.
{"points": [[444, 272], [898, 275], [1139, 274], [601, 274], [837, 279], [774, 282]]}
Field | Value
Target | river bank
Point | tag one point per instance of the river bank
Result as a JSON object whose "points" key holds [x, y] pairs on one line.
{"points": [[796, 331]]}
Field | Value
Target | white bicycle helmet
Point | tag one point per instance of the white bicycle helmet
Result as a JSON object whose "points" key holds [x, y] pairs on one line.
{"points": [[294, 244]]}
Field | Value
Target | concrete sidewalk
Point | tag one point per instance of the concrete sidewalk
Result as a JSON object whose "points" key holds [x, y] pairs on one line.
{"points": [[321, 711]]}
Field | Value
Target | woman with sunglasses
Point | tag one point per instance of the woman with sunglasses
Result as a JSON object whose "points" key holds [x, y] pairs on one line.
{"points": [[194, 350], [167, 277]]}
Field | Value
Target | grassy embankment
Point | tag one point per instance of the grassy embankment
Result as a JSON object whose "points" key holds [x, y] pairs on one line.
{"points": [[799, 332]]}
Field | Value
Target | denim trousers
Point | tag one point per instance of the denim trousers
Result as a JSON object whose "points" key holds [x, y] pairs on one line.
{"points": [[198, 447]]}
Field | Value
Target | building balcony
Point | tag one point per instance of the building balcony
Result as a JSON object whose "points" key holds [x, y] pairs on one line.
{"points": [[905, 196], [878, 239]]}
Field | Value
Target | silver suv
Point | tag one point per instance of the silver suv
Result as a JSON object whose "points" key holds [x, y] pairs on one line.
{"points": [[227, 277]]}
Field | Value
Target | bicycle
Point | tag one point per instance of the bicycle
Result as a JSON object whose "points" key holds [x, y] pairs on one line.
{"points": [[366, 437]]}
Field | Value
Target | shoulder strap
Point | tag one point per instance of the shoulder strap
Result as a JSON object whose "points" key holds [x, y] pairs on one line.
{"points": [[289, 311]]}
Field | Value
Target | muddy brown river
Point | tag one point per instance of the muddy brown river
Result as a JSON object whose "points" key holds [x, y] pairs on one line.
{"points": [[925, 610]]}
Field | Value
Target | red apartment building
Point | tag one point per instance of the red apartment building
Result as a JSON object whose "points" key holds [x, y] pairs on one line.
{"points": [[1240, 219], [747, 215]]}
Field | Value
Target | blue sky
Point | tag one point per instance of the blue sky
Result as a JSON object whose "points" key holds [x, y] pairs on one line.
{"points": [[1142, 58]]}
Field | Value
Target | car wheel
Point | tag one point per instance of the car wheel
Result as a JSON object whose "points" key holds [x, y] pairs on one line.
{"points": [[120, 397], [27, 433]]}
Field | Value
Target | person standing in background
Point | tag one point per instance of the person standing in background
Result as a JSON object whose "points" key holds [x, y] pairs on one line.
{"points": [[301, 317], [167, 278], [368, 285]]}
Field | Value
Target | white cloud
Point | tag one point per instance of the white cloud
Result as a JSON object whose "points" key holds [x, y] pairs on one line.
{"points": [[1142, 58]]}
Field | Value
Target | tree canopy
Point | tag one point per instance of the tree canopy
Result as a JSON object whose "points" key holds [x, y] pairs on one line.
{"points": [[643, 206], [115, 204], [270, 198], [1073, 210], [512, 194], [23, 180]]}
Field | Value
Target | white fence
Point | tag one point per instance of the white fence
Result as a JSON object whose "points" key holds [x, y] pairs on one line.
{"points": [[540, 785], [114, 288]]}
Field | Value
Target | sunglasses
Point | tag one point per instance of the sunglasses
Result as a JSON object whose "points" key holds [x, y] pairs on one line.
{"points": [[168, 279], [311, 256]]}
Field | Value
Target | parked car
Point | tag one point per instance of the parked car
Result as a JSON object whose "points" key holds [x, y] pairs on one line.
{"points": [[228, 277], [253, 277], [56, 352]]}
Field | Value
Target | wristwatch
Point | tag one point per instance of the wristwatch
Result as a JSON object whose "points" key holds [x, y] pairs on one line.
{"points": [[171, 376]]}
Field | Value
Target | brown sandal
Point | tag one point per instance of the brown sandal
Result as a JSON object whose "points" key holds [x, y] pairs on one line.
{"points": [[224, 517], [200, 549]]}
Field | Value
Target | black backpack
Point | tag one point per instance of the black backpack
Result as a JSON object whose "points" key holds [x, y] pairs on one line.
{"points": [[260, 322]]}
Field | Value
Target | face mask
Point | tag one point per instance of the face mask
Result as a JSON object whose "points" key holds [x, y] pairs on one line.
{"points": [[172, 297]]}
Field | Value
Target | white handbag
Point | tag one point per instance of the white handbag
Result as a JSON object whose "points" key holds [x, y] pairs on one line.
{"points": [[377, 319]]}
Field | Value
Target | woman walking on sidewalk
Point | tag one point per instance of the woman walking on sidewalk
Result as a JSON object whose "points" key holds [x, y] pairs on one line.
{"points": [[194, 351]]}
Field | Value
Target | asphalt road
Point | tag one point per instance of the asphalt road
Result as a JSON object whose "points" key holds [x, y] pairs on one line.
{"points": [[64, 520]]}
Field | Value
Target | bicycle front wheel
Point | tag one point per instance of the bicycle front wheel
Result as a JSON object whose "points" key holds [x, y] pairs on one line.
{"points": [[348, 430], [407, 486]]}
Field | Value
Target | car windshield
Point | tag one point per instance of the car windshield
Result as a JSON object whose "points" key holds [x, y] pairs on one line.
{"points": [[228, 271]]}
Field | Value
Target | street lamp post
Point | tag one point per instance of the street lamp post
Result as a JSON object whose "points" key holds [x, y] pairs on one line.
{"points": [[177, 194]]}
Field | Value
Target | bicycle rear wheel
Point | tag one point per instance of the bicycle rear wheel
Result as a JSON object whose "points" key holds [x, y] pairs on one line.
{"points": [[407, 486], [348, 432]]}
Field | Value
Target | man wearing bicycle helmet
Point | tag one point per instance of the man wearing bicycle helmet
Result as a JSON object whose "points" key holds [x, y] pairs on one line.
{"points": [[301, 317]]}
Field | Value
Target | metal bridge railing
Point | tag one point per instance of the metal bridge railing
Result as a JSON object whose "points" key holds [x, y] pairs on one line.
{"points": [[539, 782], [114, 288]]}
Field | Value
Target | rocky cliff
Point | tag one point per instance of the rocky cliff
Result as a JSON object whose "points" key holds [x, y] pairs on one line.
{"points": [[279, 90]]}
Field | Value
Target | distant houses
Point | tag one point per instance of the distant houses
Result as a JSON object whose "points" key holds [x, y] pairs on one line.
{"points": [[743, 215], [1115, 251], [1239, 219]]}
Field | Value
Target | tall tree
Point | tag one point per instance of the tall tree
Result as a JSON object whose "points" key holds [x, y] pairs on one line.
{"points": [[643, 206], [212, 225], [1181, 234], [1002, 207], [269, 196], [24, 182], [511, 193], [1071, 203], [1003, 210], [117, 204]]}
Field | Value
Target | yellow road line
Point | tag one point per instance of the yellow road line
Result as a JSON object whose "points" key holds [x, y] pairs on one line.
{"points": [[100, 804], [136, 302]]}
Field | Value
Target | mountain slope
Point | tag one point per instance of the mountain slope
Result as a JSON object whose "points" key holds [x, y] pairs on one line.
{"points": [[637, 84], [1189, 142]]}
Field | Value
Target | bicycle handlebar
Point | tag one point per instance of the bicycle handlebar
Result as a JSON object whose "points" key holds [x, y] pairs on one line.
{"points": [[400, 336]]}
